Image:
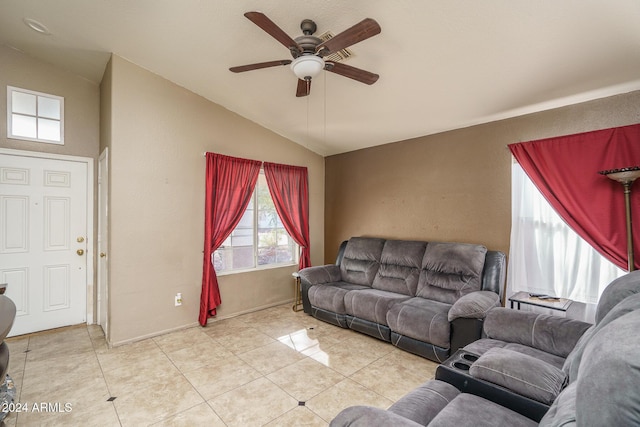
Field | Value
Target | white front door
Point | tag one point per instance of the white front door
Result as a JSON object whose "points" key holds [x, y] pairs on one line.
{"points": [[43, 240]]}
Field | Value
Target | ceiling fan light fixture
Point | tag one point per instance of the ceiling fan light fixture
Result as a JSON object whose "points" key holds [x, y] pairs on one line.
{"points": [[307, 66]]}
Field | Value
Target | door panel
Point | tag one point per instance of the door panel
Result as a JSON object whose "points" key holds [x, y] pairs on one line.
{"points": [[43, 240]]}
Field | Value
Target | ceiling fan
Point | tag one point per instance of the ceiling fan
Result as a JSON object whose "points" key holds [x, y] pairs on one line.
{"points": [[308, 51]]}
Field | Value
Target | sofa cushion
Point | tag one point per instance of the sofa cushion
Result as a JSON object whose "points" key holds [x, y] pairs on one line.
{"points": [[520, 373], [451, 270], [400, 266], [361, 260], [330, 297], [468, 410], [553, 334], [423, 403], [370, 416], [609, 375], [421, 319], [572, 363], [371, 304], [483, 345], [475, 305], [616, 291], [563, 411]]}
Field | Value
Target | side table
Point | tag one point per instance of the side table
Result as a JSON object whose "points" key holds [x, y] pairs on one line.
{"points": [[549, 302], [297, 299]]}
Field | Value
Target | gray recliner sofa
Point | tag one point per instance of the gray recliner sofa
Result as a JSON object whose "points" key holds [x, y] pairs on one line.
{"points": [[599, 381], [429, 298]]}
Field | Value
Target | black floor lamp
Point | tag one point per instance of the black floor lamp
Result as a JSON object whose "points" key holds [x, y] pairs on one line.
{"points": [[626, 176]]}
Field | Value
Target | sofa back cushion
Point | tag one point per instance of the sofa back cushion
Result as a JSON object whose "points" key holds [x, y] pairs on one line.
{"points": [[451, 270], [361, 260], [572, 363], [400, 266], [606, 389], [616, 291]]}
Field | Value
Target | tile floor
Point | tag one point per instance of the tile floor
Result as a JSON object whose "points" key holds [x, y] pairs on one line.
{"points": [[274, 367]]}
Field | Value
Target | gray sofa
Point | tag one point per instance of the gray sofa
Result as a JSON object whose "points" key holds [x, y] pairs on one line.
{"points": [[599, 381], [429, 298]]}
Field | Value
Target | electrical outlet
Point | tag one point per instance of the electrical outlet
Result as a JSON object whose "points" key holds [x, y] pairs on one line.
{"points": [[178, 300]]}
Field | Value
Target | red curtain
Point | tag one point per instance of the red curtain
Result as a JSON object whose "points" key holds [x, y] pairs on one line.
{"points": [[229, 184], [565, 170], [289, 190]]}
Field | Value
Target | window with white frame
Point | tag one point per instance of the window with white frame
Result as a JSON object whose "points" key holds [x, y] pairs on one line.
{"points": [[35, 116], [259, 240]]}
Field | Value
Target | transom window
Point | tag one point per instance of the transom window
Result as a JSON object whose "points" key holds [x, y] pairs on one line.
{"points": [[35, 116], [259, 240]]}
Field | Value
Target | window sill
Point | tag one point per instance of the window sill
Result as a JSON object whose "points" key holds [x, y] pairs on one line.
{"points": [[255, 270]]}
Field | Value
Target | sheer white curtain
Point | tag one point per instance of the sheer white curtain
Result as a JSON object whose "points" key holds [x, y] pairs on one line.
{"points": [[546, 255]]}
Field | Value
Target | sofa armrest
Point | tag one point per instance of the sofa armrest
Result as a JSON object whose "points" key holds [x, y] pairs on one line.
{"points": [[495, 272], [474, 305], [367, 416], [521, 373], [320, 274], [552, 334]]}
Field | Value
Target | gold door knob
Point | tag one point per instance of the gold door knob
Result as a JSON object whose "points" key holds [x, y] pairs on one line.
{"points": [[80, 239], [102, 255], [80, 252]]}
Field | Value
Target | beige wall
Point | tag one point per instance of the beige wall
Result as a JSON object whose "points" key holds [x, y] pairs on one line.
{"points": [[81, 103], [454, 186], [82, 117], [158, 134]]}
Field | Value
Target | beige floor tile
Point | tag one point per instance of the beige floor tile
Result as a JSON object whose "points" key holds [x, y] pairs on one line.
{"points": [[81, 393], [197, 355], [271, 357], [366, 344], [102, 414], [305, 379], [344, 394], [298, 417], [17, 344], [221, 376], [199, 415], [250, 370], [225, 327], [181, 339], [138, 352], [396, 374], [253, 404], [244, 340], [95, 331], [68, 341], [144, 406], [65, 369], [280, 327], [151, 372], [344, 359]]}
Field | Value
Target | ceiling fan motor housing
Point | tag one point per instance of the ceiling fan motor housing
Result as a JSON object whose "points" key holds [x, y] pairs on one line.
{"points": [[307, 42]]}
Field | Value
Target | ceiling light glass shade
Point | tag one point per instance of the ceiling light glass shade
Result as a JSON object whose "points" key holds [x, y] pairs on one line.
{"points": [[307, 66]]}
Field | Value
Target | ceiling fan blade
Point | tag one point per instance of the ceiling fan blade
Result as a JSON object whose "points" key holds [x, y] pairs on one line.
{"points": [[361, 31], [352, 72], [259, 65], [304, 88], [262, 21]]}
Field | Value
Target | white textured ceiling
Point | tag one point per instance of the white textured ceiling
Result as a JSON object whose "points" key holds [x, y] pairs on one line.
{"points": [[442, 64]]}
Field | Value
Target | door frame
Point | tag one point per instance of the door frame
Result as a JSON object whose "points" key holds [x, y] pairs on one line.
{"points": [[90, 232], [102, 286]]}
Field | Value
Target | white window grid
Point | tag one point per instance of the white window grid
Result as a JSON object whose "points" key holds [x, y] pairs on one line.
{"points": [[46, 119]]}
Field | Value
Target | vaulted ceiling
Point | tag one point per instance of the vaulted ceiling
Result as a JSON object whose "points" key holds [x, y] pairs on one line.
{"points": [[442, 64]]}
